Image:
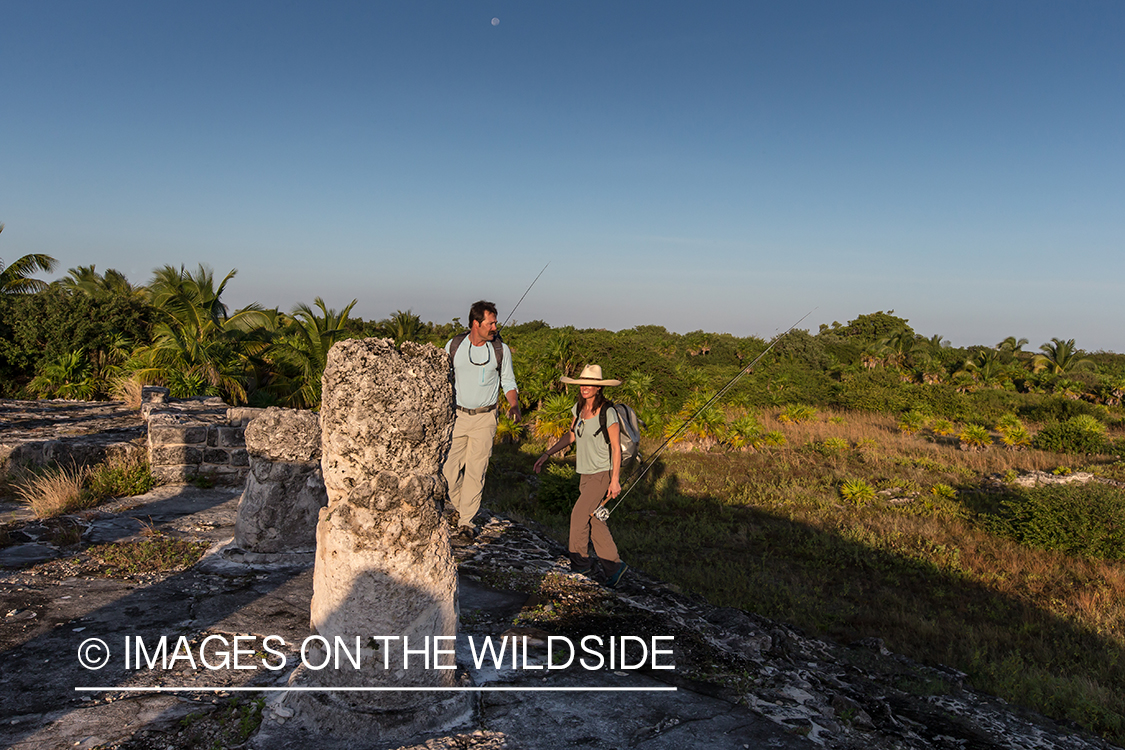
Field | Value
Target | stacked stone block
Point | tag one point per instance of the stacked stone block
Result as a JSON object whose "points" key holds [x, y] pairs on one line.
{"points": [[198, 438]]}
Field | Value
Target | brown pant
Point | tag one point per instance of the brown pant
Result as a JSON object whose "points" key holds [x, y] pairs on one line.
{"points": [[584, 528]]}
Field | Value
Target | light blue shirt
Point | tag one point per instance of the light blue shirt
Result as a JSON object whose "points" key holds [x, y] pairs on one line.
{"points": [[475, 380]]}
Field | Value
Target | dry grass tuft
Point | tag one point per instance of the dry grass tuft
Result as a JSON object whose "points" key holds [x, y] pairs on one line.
{"points": [[54, 492], [129, 390]]}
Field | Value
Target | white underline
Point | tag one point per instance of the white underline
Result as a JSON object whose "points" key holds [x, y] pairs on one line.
{"points": [[481, 689]]}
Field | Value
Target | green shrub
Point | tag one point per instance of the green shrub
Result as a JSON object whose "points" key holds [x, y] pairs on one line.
{"points": [[857, 491], [943, 427], [943, 490], [911, 421], [797, 413], [833, 445], [1056, 409], [774, 438], [1008, 422], [120, 476], [1016, 438], [975, 436], [1080, 520], [558, 488], [1081, 434], [745, 432]]}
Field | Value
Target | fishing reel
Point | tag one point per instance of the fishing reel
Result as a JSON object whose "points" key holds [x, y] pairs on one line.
{"points": [[602, 513]]}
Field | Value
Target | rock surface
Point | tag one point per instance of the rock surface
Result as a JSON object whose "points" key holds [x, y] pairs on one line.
{"points": [[743, 681], [82, 432], [285, 489], [383, 560]]}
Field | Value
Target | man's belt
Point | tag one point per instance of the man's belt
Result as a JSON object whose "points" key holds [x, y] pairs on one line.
{"points": [[481, 410]]}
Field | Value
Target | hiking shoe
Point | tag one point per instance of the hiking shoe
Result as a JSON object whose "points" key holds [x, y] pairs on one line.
{"points": [[615, 579], [463, 536]]}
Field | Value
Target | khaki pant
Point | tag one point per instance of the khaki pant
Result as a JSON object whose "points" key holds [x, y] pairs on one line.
{"points": [[465, 467], [584, 528]]}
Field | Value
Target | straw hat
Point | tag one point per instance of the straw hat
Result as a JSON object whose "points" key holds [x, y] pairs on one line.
{"points": [[591, 375]]}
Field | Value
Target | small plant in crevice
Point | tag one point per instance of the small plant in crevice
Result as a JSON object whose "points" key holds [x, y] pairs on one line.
{"points": [[121, 475], [157, 553]]}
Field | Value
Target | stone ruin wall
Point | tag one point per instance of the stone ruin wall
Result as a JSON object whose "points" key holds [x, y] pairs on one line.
{"points": [[182, 438], [199, 437]]}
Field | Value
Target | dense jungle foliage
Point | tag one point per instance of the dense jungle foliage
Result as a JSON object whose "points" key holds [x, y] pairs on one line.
{"points": [[88, 334]]}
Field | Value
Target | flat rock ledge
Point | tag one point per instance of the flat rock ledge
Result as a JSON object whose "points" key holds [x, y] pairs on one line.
{"points": [[743, 680]]}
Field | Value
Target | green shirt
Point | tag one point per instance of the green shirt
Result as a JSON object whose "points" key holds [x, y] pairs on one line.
{"points": [[593, 451]]}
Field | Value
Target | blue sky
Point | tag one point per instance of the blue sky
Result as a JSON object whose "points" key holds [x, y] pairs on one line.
{"points": [[726, 166]]}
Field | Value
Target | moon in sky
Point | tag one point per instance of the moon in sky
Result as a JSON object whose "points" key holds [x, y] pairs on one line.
{"points": [[495, 21]]}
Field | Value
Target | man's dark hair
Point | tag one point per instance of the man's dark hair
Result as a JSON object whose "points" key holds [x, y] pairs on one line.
{"points": [[477, 311]]}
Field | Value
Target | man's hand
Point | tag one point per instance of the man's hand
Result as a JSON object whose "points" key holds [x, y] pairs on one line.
{"points": [[514, 412]]}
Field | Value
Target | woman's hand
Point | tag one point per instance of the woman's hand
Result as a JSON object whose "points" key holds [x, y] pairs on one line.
{"points": [[614, 489], [539, 463]]}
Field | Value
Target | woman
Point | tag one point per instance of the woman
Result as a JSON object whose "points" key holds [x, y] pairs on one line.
{"points": [[599, 465]]}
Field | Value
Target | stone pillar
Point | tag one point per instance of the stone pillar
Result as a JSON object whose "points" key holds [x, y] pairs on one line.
{"points": [[285, 489], [384, 566]]}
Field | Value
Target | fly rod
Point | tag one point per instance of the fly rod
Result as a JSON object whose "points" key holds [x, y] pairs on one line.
{"points": [[603, 512], [513, 312]]}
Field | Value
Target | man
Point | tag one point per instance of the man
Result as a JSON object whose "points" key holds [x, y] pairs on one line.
{"points": [[482, 367]]}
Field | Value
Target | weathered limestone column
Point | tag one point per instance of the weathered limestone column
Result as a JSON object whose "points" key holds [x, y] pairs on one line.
{"points": [[284, 490], [384, 566]]}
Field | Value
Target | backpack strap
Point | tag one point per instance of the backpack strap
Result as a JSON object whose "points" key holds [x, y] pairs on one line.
{"points": [[497, 346], [602, 417], [455, 343]]}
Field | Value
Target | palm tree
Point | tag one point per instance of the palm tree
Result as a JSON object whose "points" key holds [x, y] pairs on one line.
{"points": [[197, 346], [87, 280], [303, 343], [402, 326], [560, 352], [1059, 357], [554, 418], [637, 389], [16, 277], [1011, 348], [894, 348], [67, 376], [988, 368], [1012, 344]]}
